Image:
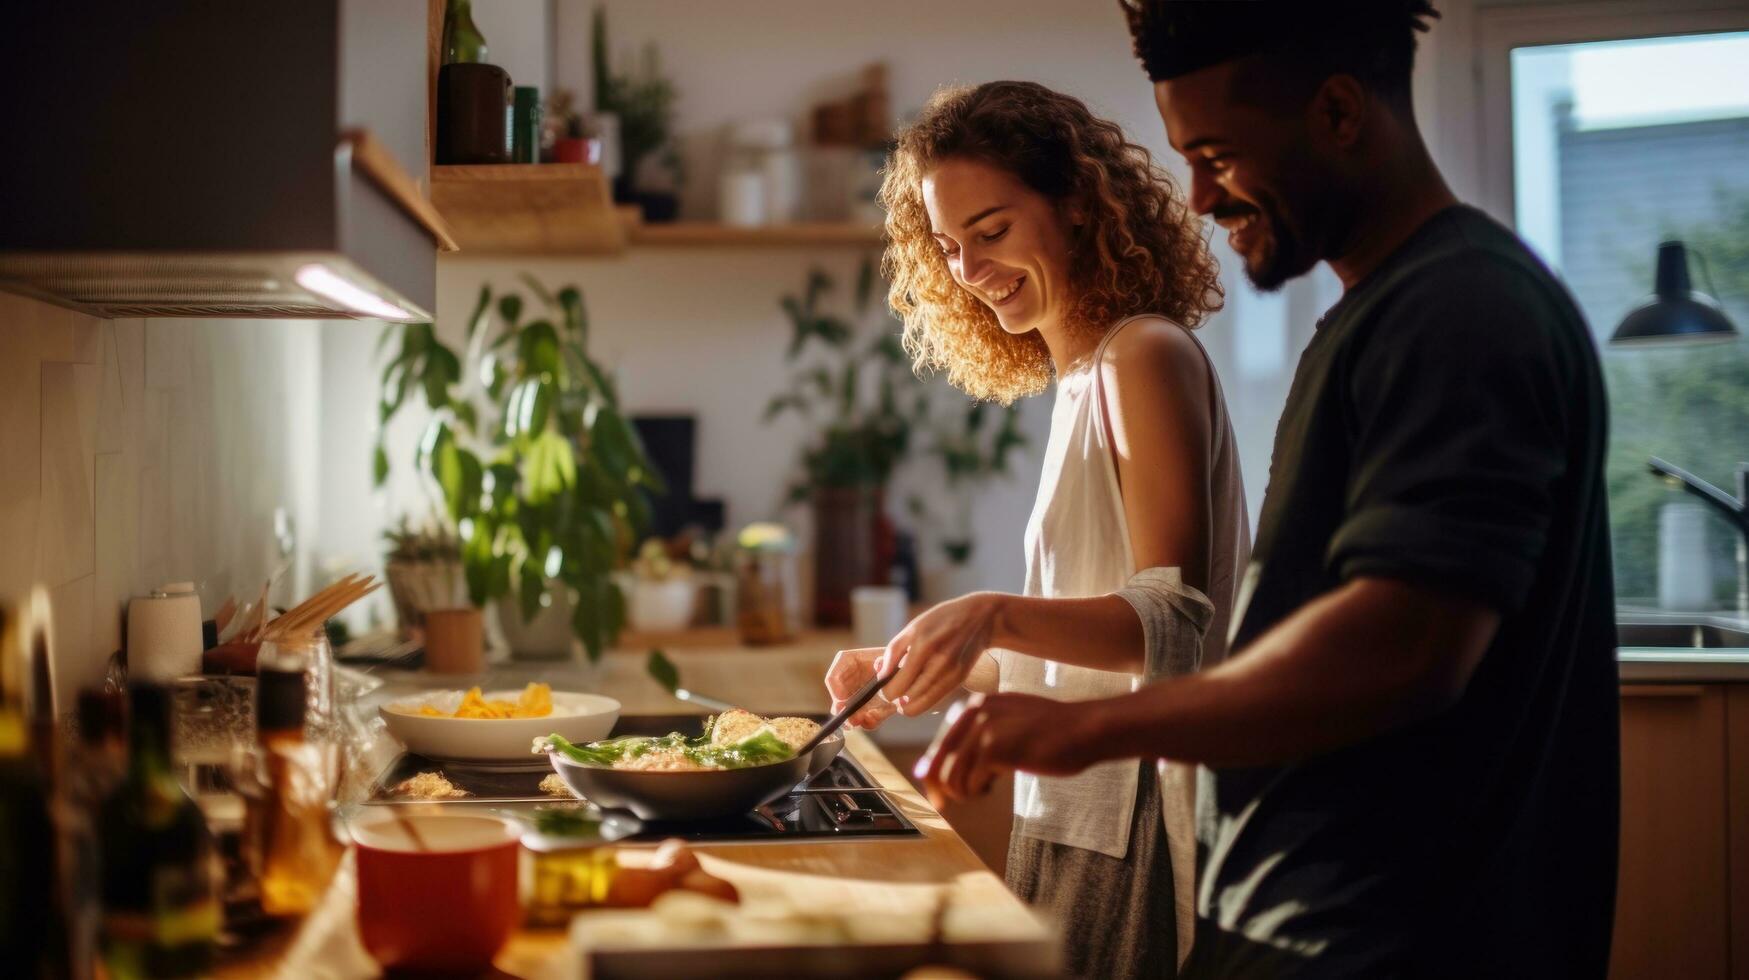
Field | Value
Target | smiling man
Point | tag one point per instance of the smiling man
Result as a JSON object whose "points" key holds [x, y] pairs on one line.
{"points": [[1410, 761]]}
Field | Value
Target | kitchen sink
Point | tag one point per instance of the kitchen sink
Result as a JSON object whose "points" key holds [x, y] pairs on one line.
{"points": [[1703, 635]]}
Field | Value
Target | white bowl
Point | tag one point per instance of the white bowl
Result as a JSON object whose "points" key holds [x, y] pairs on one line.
{"points": [[577, 716]]}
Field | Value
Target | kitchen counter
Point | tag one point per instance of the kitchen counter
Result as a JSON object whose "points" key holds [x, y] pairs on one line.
{"points": [[1666, 665], [1696, 664], [872, 877]]}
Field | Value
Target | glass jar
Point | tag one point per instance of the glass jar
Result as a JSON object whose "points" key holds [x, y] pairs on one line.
{"points": [[311, 654], [567, 865], [768, 601]]}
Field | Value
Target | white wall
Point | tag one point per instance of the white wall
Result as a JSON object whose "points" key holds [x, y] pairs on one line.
{"points": [[139, 452], [518, 38], [699, 330]]}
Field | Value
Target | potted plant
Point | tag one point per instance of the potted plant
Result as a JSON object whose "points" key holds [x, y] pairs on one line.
{"points": [[540, 476], [864, 430], [661, 589], [643, 102], [972, 451], [563, 133]]}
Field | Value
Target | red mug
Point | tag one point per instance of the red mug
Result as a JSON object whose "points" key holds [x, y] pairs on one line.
{"points": [[449, 908]]}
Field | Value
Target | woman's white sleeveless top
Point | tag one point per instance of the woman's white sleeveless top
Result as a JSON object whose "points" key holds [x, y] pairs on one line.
{"points": [[1078, 545]]}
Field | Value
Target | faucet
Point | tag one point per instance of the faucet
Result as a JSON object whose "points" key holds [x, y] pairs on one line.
{"points": [[1735, 509]]}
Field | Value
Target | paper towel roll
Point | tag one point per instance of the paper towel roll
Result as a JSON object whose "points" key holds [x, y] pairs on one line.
{"points": [[164, 633]]}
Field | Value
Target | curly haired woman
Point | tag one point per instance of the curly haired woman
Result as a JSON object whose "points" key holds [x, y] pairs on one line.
{"points": [[1031, 242]]}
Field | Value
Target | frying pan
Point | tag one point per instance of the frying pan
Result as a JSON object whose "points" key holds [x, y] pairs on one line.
{"points": [[709, 793]]}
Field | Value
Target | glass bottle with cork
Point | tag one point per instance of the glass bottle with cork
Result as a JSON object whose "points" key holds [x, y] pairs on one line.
{"points": [[159, 887]]}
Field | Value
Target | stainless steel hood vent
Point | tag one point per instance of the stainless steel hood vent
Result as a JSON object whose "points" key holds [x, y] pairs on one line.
{"points": [[243, 159]]}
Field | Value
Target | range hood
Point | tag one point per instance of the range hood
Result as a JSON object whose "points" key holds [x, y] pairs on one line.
{"points": [[239, 159]]}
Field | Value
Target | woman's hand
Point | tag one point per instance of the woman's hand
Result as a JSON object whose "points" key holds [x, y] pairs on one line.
{"points": [[850, 670], [936, 651], [998, 733]]}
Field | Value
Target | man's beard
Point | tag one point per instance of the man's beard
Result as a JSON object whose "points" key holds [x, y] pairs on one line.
{"points": [[1277, 258]]}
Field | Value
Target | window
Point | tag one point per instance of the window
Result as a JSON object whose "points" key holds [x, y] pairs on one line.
{"points": [[1617, 146]]}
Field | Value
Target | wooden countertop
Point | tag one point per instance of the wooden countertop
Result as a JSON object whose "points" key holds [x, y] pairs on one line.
{"points": [[873, 877]]}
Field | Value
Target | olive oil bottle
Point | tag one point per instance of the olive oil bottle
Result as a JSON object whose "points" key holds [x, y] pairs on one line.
{"points": [[159, 890], [36, 939]]}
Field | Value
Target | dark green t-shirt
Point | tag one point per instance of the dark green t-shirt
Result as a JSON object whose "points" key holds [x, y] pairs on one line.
{"points": [[1446, 426]]}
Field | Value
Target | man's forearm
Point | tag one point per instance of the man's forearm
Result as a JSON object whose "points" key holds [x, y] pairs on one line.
{"points": [[1364, 659], [1102, 632]]}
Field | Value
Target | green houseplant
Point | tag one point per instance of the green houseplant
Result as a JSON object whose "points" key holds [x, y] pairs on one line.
{"points": [[540, 474], [972, 451], [643, 101], [865, 403]]}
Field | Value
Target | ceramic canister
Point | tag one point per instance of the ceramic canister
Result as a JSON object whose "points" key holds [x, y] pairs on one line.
{"points": [[164, 639]]}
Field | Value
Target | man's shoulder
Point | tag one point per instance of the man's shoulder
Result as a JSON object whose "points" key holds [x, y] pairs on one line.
{"points": [[1472, 259], [1475, 284]]}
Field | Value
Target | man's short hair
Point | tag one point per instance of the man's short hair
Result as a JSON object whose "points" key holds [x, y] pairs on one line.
{"points": [[1306, 41]]}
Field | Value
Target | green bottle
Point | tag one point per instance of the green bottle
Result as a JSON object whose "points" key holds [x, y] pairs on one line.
{"points": [[34, 940], [161, 912], [462, 41]]}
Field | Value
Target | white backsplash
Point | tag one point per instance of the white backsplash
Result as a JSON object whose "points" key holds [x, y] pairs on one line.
{"points": [[135, 452]]}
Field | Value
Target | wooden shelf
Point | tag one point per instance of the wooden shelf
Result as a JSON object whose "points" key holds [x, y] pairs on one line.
{"points": [[698, 234], [529, 209], [568, 209]]}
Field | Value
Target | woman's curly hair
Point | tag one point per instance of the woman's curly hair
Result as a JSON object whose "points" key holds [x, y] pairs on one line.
{"points": [[1141, 250]]}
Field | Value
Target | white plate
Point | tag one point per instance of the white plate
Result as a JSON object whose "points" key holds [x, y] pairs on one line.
{"points": [[577, 716]]}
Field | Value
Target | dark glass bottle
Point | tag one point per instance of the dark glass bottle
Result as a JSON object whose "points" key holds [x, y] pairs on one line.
{"points": [[34, 940], [462, 41], [160, 900]]}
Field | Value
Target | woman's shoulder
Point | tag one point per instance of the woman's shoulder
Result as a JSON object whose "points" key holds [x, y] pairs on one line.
{"points": [[1153, 347]]}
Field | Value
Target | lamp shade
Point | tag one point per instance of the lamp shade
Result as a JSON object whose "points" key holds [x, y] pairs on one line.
{"points": [[1675, 313]]}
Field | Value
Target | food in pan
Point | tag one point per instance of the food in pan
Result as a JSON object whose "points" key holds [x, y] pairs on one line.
{"points": [[733, 740], [536, 702], [738, 723]]}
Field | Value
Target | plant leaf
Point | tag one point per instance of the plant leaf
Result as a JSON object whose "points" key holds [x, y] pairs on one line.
{"points": [[477, 319], [833, 330], [510, 308], [531, 585], [548, 467], [379, 465], [663, 671], [538, 347], [588, 620], [864, 284], [465, 414], [576, 318], [477, 564], [615, 444], [529, 408], [540, 290], [458, 473]]}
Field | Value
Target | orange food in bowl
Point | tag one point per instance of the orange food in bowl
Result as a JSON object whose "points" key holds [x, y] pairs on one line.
{"points": [[536, 701]]}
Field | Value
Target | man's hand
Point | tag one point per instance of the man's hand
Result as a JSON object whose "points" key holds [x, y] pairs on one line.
{"points": [[997, 733]]}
